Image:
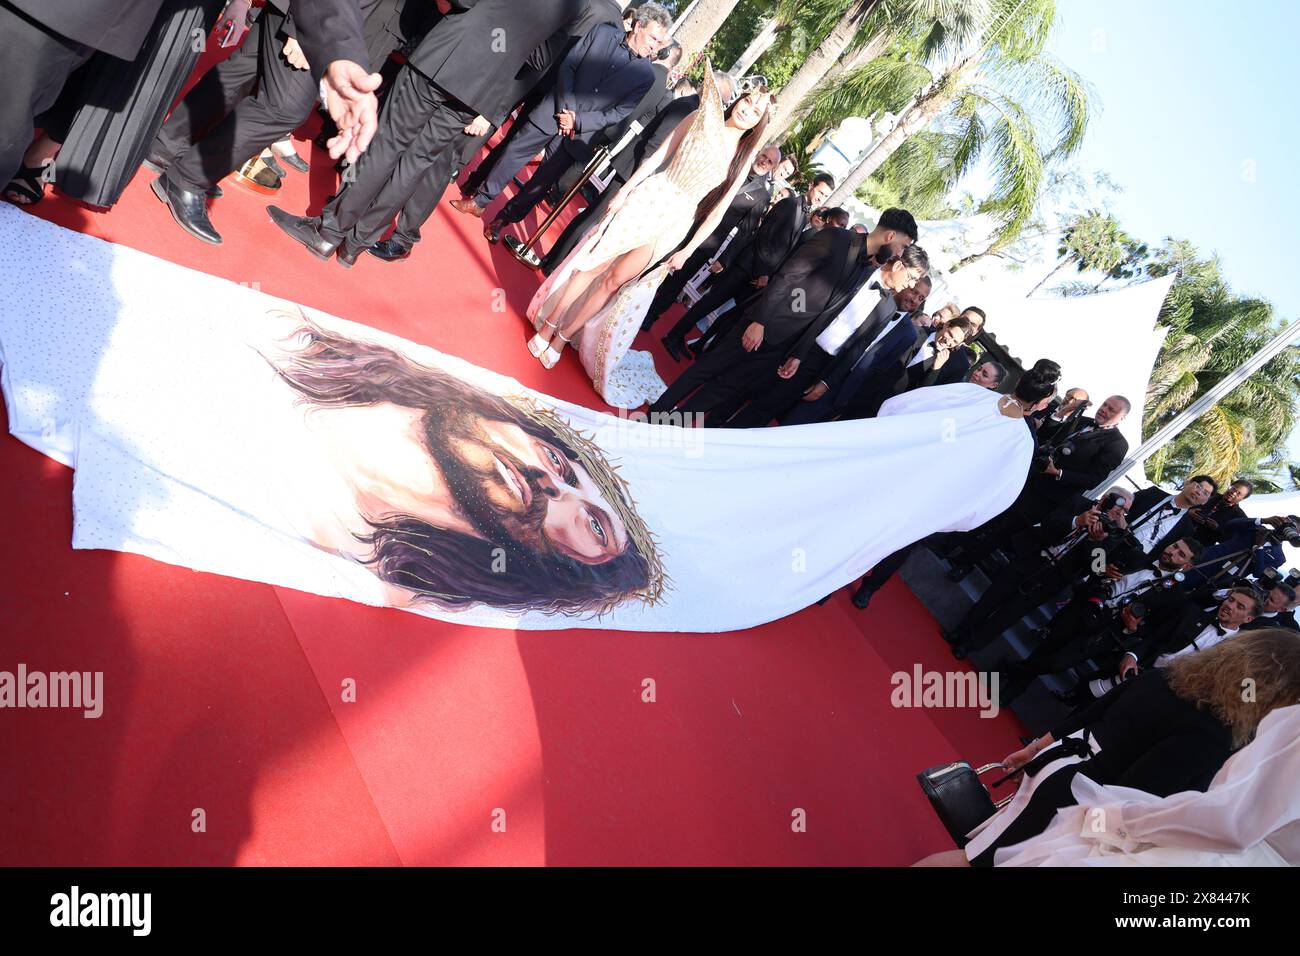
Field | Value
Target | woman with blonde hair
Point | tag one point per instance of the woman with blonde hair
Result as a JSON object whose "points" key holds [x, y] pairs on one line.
{"points": [[1165, 732]]}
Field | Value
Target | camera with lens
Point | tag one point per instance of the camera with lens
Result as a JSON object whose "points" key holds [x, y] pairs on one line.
{"points": [[1288, 533]]}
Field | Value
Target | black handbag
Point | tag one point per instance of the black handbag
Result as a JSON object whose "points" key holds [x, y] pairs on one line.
{"points": [[959, 797]]}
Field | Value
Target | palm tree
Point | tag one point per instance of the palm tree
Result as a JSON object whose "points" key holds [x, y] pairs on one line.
{"points": [[848, 17], [1093, 241], [701, 21], [1211, 332], [1007, 101]]}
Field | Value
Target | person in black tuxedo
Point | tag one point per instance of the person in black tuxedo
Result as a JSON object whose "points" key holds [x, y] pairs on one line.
{"points": [[805, 294], [1191, 629], [45, 40], [455, 75], [285, 94], [601, 81], [539, 73], [1096, 449], [1100, 624], [1061, 414], [1221, 509], [743, 215], [659, 129], [864, 336], [1278, 609], [751, 266]]}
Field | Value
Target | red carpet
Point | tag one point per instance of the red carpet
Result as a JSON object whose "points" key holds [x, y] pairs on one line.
{"points": [[226, 696]]}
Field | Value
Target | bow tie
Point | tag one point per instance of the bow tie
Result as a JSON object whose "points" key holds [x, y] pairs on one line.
{"points": [[1219, 628]]}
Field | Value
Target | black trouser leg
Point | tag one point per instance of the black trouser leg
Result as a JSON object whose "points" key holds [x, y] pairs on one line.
{"points": [[525, 143], [283, 100], [558, 161], [730, 284], [418, 122], [720, 364], [216, 93], [420, 205], [884, 570], [37, 62], [775, 397]]}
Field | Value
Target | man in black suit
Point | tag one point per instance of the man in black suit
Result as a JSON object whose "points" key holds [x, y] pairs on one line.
{"points": [[656, 132], [1095, 447], [808, 385], [453, 76], [1193, 628], [1278, 609], [285, 94], [1220, 510], [539, 73], [1098, 623], [916, 369], [805, 294], [752, 265], [601, 81]]}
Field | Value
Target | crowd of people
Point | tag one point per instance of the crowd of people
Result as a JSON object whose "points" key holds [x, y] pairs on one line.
{"points": [[795, 317]]}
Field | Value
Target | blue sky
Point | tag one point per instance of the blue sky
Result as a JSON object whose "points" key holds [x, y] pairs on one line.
{"points": [[1199, 123]]}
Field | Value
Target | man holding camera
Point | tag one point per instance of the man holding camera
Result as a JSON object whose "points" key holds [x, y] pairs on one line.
{"points": [[1104, 618]]}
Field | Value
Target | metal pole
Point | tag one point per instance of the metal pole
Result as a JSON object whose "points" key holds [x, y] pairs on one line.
{"points": [[1168, 432], [523, 251]]}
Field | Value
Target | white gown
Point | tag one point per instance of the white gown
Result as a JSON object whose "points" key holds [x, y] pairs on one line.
{"points": [[1249, 815], [186, 446]]}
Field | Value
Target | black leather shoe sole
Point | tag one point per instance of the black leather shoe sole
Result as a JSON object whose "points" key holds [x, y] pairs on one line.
{"points": [[862, 602], [308, 237], [160, 191]]}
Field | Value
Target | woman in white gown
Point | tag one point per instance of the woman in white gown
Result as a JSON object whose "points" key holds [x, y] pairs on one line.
{"points": [[603, 289]]}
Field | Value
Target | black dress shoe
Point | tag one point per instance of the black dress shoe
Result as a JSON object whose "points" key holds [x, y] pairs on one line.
{"points": [[675, 348], [188, 208], [347, 254], [292, 160], [390, 250], [214, 192], [270, 161], [862, 598], [304, 229]]}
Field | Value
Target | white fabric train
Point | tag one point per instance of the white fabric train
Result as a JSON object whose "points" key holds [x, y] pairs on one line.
{"points": [[190, 449]]}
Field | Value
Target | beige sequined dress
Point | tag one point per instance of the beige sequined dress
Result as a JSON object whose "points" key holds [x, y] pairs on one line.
{"points": [[659, 212], [661, 209]]}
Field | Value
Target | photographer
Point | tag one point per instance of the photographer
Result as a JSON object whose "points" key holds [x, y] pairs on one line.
{"points": [[1104, 618], [1061, 414], [1278, 609], [1221, 509], [1073, 458], [1250, 547], [1159, 517], [1082, 541]]}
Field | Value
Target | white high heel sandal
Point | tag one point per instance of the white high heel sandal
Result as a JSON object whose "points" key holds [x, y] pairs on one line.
{"points": [[537, 345], [552, 355]]}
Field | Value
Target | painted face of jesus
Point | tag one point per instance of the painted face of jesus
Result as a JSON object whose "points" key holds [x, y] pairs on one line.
{"points": [[514, 484]]}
